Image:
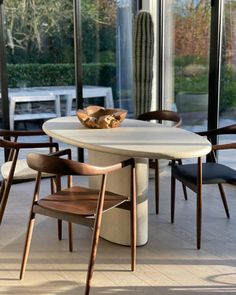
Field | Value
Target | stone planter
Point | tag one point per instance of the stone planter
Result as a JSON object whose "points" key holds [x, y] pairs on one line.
{"points": [[191, 102]]}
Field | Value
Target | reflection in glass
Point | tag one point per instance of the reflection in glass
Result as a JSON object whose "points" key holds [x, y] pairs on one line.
{"points": [[228, 78], [107, 49], [40, 51], [187, 26], [228, 67]]}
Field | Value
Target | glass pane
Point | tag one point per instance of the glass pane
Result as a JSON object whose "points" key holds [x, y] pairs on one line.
{"points": [[228, 78], [187, 25], [228, 67], [40, 57], [2, 68], [107, 52]]}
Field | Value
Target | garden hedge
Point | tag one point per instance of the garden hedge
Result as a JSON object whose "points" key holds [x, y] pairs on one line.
{"points": [[33, 75], [104, 74]]}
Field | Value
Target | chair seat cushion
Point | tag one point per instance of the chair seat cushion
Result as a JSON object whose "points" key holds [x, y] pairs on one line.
{"points": [[80, 201], [22, 171], [211, 173]]}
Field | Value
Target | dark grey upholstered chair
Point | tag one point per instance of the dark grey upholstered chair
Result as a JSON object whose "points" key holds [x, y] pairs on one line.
{"points": [[194, 175]]}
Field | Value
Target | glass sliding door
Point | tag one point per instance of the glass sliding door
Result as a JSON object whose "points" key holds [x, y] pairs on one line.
{"points": [[40, 58], [107, 51], [4, 109], [227, 107], [186, 50], [228, 66]]}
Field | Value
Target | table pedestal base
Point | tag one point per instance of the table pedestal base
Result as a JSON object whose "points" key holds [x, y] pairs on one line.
{"points": [[116, 222]]}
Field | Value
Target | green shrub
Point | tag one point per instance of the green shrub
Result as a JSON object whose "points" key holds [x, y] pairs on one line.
{"points": [[185, 81], [34, 75], [182, 61], [228, 88], [199, 84], [191, 84]]}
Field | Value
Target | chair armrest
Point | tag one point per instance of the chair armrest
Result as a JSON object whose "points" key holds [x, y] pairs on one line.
{"points": [[204, 133], [111, 168], [61, 153], [9, 133], [224, 130], [38, 145], [20, 145], [225, 146]]}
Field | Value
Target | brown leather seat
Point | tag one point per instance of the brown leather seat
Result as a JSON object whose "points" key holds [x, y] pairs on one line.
{"points": [[77, 204]]}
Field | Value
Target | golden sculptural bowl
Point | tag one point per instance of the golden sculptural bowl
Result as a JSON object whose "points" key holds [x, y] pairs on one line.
{"points": [[100, 118]]}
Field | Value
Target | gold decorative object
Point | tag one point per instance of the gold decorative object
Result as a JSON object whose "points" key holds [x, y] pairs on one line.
{"points": [[100, 118]]}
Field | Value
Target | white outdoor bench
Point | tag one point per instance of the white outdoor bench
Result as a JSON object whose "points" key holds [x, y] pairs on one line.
{"points": [[29, 115], [91, 92], [52, 93]]}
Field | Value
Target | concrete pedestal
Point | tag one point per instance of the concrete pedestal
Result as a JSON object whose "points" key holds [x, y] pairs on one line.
{"points": [[116, 222]]}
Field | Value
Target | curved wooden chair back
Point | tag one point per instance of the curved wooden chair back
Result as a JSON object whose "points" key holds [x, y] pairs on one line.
{"points": [[160, 116], [55, 165]]}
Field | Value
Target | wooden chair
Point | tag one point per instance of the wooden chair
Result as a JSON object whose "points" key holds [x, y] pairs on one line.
{"points": [[32, 99], [160, 116], [16, 170], [194, 175], [78, 204]]}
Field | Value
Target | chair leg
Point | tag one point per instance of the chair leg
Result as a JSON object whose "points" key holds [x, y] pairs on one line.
{"points": [[199, 204], [70, 235], [55, 184], [92, 257], [59, 222], [199, 220], [27, 245], [7, 186], [95, 239], [59, 229], [2, 189], [224, 200], [173, 188], [157, 185], [133, 217], [5, 194], [183, 186], [185, 192]]}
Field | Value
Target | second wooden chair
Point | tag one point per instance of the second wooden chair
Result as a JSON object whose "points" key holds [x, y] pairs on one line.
{"points": [[160, 116]]}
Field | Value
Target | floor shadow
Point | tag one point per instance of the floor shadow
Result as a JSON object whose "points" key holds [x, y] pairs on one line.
{"points": [[72, 288]]}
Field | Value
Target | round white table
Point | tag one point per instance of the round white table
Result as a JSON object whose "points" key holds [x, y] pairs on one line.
{"points": [[133, 138]]}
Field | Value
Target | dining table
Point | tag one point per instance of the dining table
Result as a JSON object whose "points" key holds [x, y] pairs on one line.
{"points": [[133, 138]]}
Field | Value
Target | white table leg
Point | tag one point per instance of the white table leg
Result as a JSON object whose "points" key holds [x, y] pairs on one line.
{"points": [[69, 101], [12, 112], [109, 103], [116, 222]]}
